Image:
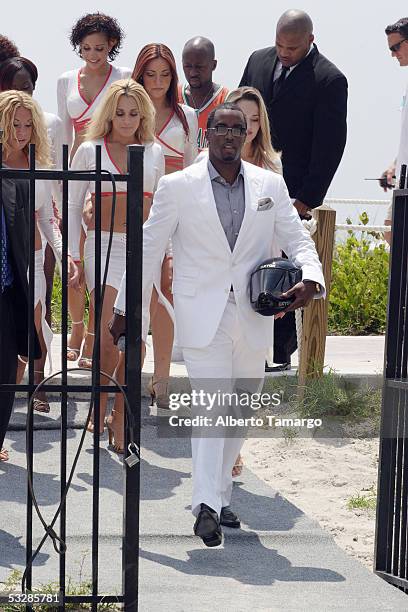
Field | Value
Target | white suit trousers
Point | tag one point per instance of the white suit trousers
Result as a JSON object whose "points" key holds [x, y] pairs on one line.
{"points": [[216, 367]]}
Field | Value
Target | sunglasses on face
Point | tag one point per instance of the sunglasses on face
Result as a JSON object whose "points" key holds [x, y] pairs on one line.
{"points": [[396, 47], [222, 130]]}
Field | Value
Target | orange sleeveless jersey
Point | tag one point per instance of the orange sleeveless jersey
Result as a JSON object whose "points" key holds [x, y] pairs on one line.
{"points": [[202, 114]]}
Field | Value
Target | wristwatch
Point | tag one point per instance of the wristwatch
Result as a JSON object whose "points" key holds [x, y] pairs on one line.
{"points": [[119, 312]]}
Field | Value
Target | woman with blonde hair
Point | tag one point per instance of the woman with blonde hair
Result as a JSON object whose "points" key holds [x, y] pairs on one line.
{"points": [[257, 150], [22, 122], [125, 117]]}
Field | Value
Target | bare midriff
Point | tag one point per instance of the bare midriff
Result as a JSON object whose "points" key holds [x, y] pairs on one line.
{"points": [[120, 212]]}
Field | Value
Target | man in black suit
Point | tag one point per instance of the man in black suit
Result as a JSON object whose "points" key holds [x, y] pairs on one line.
{"points": [[306, 98], [13, 293]]}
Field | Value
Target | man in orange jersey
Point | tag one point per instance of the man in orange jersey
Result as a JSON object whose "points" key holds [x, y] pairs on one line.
{"points": [[201, 93]]}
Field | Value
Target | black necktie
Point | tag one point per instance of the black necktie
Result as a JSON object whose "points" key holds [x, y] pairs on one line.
{"points": [[277, 86]]}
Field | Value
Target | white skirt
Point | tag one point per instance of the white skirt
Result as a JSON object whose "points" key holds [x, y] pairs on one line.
{"points": [[40, 290], [117, 260]]}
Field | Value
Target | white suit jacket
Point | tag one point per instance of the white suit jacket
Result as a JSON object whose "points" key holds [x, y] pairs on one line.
{"points": [[204, 268]]}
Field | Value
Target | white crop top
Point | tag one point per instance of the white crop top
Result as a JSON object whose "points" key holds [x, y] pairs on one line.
{"points": [[84, 159], [179, 150], [75, 112]]}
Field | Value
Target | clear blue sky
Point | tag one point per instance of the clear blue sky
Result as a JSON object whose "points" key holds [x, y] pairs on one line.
{"points": [[350, 33]]}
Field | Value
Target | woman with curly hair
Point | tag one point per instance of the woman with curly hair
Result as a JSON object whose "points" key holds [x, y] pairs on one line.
{"points": [[125, 117], [7, 48], [22, 122], [97, 38], [176, 132]]}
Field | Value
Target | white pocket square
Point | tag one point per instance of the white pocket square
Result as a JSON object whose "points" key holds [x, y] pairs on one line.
{"points": [[265, 204]]}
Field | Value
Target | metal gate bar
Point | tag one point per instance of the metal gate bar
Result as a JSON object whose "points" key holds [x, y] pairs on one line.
{"points": [[132, 386], [391, 562]]}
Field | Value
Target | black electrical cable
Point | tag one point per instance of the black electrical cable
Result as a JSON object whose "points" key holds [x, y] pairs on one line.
{"points": [[59, 545]]}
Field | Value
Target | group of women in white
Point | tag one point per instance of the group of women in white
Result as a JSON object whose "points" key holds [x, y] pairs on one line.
{"points": [[103, 104]]}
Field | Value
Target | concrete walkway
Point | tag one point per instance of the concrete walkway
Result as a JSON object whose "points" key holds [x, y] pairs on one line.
{"points": [[359, 358], [280, 560]]}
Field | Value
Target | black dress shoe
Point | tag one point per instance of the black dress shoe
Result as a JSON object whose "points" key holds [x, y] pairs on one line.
{"points": [[228, 518], [281, 367], [207, 526]]}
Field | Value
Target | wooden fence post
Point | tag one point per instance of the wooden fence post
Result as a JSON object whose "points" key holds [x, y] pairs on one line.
{"points": [[311, 359]]}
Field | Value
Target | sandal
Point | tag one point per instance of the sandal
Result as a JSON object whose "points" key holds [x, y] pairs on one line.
{"points": [[237, 467], [41, 405], [159, 393], [115, 441], [90, 428], [4, 454], [86, 362], [73, 353]]}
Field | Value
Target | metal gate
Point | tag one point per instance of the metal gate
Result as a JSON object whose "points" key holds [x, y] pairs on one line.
{"points": [[131, 486], [391, 542]]}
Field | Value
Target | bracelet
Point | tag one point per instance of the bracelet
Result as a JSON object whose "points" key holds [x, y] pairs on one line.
{"points": [[119, 312]]}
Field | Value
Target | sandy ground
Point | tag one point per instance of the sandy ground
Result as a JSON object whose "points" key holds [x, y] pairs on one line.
{"points": [[319, 477]]}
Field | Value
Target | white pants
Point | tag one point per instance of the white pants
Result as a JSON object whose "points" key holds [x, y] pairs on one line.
{"points": [[217, 366]]}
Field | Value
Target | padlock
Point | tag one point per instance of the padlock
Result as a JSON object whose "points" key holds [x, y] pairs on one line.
{"points": [[133, 458]]}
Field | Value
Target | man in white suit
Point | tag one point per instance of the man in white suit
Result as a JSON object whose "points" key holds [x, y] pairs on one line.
{"points": [[224, 217]]}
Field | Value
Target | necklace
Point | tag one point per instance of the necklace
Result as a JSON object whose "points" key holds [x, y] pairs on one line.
{"points": [[198, 107]]}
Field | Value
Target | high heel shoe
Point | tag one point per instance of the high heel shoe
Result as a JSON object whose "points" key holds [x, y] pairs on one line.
{"points": [[41, 405], [73, 353], [85, 362], [91, 425], [115, 441], [159, 392]]}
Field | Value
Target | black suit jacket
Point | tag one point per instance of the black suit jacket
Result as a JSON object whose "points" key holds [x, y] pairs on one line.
{"points": [[307, 117], [15, 203]]}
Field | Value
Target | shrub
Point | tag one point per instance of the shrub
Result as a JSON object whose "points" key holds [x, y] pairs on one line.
{"points": [[359, 289]]}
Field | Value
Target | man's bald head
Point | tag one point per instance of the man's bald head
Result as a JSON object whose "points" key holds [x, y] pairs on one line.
{"points": [[199, 62], [295, 21], [202, 45], [294, 35]]}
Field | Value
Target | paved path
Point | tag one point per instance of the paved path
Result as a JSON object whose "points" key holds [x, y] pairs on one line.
{"points": [[356, 357], [280, 560]]}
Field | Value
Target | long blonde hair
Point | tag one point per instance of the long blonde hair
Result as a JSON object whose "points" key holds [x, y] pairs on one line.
{"points": [[101, 122], [263, 153], [10, 101]]}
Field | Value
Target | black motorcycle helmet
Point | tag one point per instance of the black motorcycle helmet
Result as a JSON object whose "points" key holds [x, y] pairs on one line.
{"points": [[267, 283]]}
